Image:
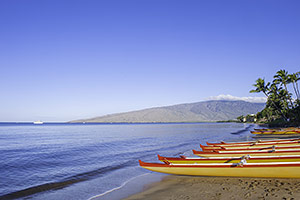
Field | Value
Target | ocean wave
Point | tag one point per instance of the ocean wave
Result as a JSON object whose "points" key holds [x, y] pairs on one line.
{"points": [[65, 182], [90, 174], [117, 188]]}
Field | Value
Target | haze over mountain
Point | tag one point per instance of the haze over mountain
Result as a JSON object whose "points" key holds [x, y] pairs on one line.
{"points": [[206, 111]]}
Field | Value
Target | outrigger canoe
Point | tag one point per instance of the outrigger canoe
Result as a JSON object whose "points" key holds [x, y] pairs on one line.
{"points": [[273, 136], [243, 153], [282, 143], [277, 129], [275, 132], [250, 159], [290, 130], [252, 142], [264, 170], [267, 129], [239, 148]]}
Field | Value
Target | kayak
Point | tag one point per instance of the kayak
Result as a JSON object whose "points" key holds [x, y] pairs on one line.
{"points": [[290, 130], [252, 142], [250, 159], [262, 132], [264, 170], [275, 132], [278, 129], [276, 136], [238, 148], [265, 144], [243, 153], [266, 129]]}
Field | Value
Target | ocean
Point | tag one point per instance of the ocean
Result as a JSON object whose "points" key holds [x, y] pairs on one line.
{"points": [[95, 161]]}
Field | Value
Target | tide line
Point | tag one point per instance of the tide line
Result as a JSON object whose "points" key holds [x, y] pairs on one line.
{"points": [[116, 188]]}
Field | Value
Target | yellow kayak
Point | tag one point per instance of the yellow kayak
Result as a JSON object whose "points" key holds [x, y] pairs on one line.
{"points": [[277, 129], [249, 159], [252, 142], [265, 144], [265, 170], [289, 130], [238, 148], [276, 132], [244, 153]]}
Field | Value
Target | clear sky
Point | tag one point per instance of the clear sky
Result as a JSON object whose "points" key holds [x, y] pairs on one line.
{"points": [[62, 60]]}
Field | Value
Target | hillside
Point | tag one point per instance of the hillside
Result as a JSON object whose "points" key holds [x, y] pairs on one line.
{"points": [[193, 112]]}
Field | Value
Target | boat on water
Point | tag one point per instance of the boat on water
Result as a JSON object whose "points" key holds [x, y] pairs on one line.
{"points": [[263, 170], [249, 159], [38, 122]]}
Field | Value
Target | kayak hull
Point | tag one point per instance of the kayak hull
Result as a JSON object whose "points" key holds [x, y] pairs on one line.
{"points": [[255, 159], [240, 148], [230, 170], [252, 142], [265, 144], [275, 132], [244, 153]]}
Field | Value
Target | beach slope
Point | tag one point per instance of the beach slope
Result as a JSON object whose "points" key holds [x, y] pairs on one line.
{"points": [[213, 188]]}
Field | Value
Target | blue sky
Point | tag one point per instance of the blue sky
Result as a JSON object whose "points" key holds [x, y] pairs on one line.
{"points": [[62, 60]]}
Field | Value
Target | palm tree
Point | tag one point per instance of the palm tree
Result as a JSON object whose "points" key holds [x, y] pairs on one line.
{"points": [[263, 87], [298, 78], [282, 78], [294, 78]]}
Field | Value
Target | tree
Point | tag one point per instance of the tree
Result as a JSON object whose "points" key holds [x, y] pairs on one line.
{"points": [[293, 79], [281, 108], [282, 78], [263, 87], [240, 118]]}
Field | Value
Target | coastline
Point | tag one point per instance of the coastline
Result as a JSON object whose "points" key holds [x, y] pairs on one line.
{"points": [[177, 187], [190, 187]]}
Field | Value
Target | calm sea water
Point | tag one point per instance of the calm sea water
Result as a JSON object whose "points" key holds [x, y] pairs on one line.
{"points": [[82, 161]]}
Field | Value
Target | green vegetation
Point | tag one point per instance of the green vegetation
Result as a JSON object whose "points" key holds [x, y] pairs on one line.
{"points": [[248, 118], [283, 106]]}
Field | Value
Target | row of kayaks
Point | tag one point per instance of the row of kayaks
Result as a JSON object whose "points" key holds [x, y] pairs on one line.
{"points": [[277, 131], [261, 158]]}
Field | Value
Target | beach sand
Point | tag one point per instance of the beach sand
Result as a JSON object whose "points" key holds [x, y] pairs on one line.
{"points": [[212, 188]]}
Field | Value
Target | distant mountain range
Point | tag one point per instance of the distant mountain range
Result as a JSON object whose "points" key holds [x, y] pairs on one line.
{"points": [[206, 111]]}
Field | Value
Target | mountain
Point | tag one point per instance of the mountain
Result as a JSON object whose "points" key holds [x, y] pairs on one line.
{"points": [[216, 110]]}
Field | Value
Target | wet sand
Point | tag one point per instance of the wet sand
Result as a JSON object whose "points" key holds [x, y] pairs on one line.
{"points": [[212, 188]]}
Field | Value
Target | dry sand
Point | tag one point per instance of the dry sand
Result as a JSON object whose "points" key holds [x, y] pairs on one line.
{"points": [[213, 188]]}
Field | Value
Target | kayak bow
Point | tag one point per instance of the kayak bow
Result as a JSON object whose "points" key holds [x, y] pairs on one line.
{"points": [[267, 170]]}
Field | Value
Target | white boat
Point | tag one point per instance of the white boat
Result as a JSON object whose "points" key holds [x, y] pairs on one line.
{"points": [[38, 122]]}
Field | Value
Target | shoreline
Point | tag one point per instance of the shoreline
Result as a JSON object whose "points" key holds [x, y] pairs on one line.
{"points": [[177, 187]]}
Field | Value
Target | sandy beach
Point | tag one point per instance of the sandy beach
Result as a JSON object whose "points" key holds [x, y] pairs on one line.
{"points": [[212, 188]]}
